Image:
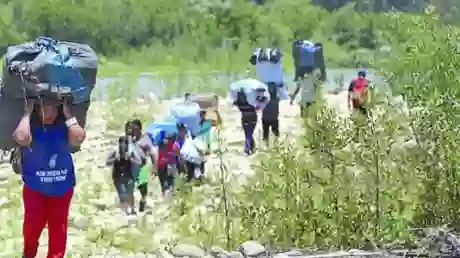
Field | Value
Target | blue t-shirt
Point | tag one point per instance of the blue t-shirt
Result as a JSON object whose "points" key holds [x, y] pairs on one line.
{"points": [[47, 165]]}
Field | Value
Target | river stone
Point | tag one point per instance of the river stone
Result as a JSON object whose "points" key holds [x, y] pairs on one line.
{"points": [[234, 254], [292, 253], [186, 250], [252, 248], [215, 250]]}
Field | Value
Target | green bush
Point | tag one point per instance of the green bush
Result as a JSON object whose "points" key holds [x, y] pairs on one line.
{"points": [[142, 33], [363, 181]]}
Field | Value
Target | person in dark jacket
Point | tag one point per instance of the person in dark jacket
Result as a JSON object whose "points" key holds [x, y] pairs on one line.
{"points": [[248, 121], [270, 114]]}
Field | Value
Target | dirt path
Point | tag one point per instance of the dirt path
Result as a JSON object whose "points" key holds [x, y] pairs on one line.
{"points": [[96, 223]]}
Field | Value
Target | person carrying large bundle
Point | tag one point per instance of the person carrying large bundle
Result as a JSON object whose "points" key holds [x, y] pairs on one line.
{"points": [[249, 96], [165, 135], [308, 57], [45, 69], [209, 117], [269, 69], [44, 102]]}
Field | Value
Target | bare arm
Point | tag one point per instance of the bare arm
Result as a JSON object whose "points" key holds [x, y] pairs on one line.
{"points": [[136, 156], [146, 144], [22, 135], [296, 91], [111, 158], [219, 117], [75, 131]]}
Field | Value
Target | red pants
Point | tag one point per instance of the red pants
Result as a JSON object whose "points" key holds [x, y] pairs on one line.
{"points": [[39, 211]]}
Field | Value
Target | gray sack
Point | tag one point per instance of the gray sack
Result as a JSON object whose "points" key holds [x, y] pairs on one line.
{"points": [[37, 58], [31, 56]]}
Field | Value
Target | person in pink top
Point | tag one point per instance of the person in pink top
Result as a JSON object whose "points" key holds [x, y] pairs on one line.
{"points": [[168, 152]]}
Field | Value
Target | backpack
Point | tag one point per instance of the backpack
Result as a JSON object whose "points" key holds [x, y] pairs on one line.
{"points": [[50, 68]]}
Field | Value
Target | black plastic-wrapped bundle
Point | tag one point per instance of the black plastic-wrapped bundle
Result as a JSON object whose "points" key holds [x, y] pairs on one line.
{"points": [[318, 56]]}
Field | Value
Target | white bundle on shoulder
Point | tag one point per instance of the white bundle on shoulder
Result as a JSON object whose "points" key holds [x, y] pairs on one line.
{"points": [[256, 92], [192, 150]]}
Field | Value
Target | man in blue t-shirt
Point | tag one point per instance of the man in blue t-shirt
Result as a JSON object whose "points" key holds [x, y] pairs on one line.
{"points": [[45, 135]]}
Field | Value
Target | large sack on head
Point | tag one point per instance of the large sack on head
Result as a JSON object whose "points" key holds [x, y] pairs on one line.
{"points": [[187, 113], [155, 130], [256, 92], [208, 102], [47, 67], [308, 54], [12, 110]]}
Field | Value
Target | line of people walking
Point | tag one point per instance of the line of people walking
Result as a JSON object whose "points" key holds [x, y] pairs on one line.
{"points": [[49, 131], [165, 151]]}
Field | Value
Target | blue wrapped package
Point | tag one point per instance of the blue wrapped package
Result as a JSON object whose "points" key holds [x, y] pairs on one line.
{"points": [[50, 68], [187, 113], [158, 130], [256, 92]]}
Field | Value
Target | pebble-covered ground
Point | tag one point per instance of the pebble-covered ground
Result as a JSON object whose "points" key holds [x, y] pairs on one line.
{"points": [[98, 229]]}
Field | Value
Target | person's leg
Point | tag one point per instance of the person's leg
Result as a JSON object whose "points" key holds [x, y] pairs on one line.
{"points": [[57, 213], [247, 136], [275, 126], [304, 108], [130, 186], [190, 167], [202, 166], [168, 184], [34, 220], [251, 129], [143, 189], [362, 110], [265, 130], [122, 187], [162, 177]]}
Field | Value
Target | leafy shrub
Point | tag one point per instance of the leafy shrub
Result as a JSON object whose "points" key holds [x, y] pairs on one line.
{"points": [[364, 181]]}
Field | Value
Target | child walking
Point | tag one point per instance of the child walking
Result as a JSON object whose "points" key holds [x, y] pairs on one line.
{"points": [[168, 153]]}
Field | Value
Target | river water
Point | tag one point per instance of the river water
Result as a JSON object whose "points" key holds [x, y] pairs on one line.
{"points": [[166, 86]]}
